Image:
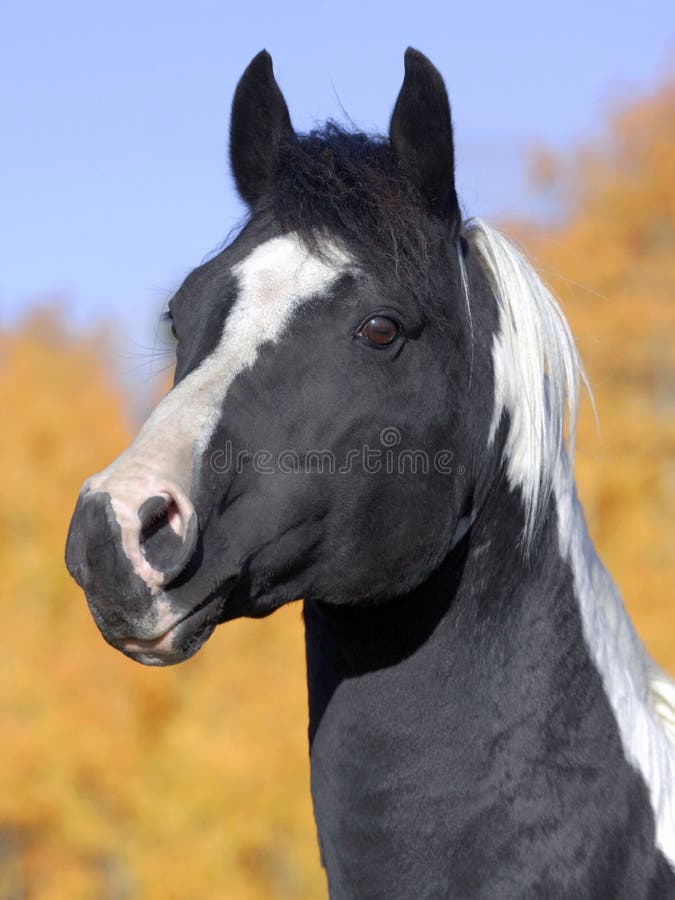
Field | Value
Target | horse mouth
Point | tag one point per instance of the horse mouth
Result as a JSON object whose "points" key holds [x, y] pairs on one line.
{"points": [[179, 642]]}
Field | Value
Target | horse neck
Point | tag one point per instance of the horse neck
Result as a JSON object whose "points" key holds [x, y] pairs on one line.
{"points": [[485, 618], [466, 703]]}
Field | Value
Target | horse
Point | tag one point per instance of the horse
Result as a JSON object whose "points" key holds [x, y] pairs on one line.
{"points": [[373, 412]]}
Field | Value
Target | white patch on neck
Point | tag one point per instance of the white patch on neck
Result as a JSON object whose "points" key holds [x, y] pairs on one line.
{"points": [[274, 280], [640, 695], [537, 372]]}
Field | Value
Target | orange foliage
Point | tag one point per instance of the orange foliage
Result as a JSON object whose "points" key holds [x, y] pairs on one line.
{"points": [[612, 265], [120, 781]]}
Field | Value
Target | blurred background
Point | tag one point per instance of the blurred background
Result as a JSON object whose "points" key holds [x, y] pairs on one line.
{"points": [[123, 782]]}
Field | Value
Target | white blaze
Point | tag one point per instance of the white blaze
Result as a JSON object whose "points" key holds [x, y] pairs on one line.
{"points": [[274, 280]]}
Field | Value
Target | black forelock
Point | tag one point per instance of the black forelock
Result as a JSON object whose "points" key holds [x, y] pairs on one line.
{"points": [[347, 185]]}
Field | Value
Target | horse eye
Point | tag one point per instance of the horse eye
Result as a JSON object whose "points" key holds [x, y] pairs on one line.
{"points": [[379, 330], [167, 316]]}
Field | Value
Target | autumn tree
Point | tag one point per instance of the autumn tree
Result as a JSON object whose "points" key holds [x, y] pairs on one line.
{"points": [[119, 781], [612, 264]]}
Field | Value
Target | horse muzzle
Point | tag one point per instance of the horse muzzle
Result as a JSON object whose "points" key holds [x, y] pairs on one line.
{"points": [[127, 543]]}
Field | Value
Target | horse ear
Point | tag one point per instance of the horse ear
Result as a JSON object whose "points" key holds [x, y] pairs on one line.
{"points": [[420, 132], [259, 127]]}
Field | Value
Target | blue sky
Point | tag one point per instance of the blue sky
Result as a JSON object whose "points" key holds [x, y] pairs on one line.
{"points": [[114, 117]]}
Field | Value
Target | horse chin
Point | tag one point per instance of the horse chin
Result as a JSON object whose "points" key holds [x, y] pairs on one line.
{"points": [[181, 641]]}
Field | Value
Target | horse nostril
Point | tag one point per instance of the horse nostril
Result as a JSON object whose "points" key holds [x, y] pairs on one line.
{"points": [[154, 514], [168, 534]]}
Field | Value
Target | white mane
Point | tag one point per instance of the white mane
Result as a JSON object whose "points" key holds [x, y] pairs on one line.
{"points": [[537, 373]]}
